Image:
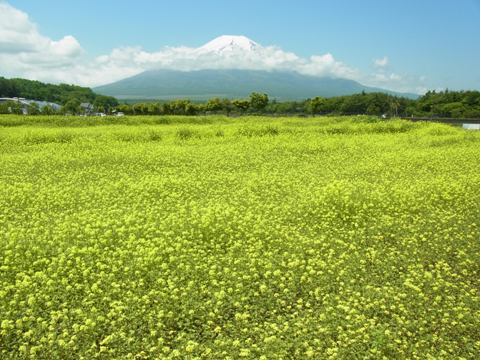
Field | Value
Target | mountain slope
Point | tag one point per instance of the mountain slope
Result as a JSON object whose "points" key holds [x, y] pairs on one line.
{"points": [[231, 83]]}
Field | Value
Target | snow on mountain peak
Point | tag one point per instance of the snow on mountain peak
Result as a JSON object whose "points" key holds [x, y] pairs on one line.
{"points": [[228, 43]]}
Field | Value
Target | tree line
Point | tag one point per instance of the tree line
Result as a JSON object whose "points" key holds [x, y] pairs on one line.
{"points": [[455, 104]]}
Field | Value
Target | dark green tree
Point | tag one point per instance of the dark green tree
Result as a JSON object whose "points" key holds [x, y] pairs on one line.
{"points": [[241, 105], [33, 109], [214, 105], [315, 105], [258, 101], [48, 110], [71, 107], [105, 103]]}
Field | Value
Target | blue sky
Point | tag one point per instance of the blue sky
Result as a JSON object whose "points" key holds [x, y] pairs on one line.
{"points": [[424, 43]]}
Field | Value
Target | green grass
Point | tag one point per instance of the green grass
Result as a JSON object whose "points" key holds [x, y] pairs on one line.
{"points": [[212, 237]]}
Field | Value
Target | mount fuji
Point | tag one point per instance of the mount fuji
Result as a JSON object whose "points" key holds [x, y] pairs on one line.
{"points": [[228, 44], [213, 70]]}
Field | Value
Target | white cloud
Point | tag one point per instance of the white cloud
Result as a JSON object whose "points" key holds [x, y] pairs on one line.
{"points": [[381, 63], [382, 77], [324, 65], [261, 58], [18, 35], [398, 82], [24, 52]]}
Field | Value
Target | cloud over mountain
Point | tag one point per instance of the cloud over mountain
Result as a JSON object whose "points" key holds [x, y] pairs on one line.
{"points": [[24, 52], [226, 52]]}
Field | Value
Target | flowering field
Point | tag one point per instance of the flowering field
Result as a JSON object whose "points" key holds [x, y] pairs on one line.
{"points": [[256, 238]]}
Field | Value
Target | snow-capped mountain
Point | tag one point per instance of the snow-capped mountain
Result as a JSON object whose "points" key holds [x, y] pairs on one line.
{"points": [[233, 66], [229, 44]]}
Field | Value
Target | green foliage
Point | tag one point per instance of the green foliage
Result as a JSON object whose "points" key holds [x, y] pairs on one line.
{"points": [[360, 104], [370, 104], [241, 105], [257, 238], [71, 107], [33, 109], [315, 105], [8, 88], [457, 104], [184, 107], [10, 107], [105, 103], [258, 101], [47, 110], [185, 133], [37, 90], [250, 131], [214, 105]]}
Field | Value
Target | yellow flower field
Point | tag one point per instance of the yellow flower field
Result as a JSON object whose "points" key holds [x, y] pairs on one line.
{"points": [[238, 238]]}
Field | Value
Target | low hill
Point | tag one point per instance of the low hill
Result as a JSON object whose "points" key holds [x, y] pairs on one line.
{"points": [[31, 89]]}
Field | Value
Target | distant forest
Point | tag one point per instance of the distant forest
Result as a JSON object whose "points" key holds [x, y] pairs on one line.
{"points": [[37, 90], [69, 96], [455, 104]]}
